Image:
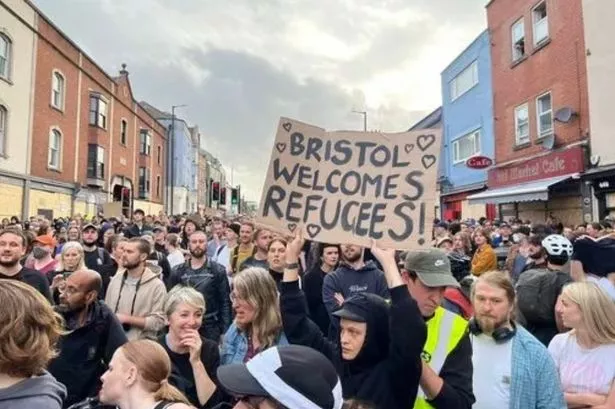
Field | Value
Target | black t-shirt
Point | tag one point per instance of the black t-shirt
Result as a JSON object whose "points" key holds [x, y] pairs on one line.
{"points": [[182, 376], [95, 260], [253, 262], [33, 278]]}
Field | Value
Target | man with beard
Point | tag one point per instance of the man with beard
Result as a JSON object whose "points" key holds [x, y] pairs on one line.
{"points": [[512, 369], [12, 249], [92, 336], [245, 248], [136, 295], [262, 238], [95, 257], [208, 278], [352, 277]]}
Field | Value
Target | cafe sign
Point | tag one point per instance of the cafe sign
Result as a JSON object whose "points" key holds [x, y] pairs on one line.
{"points": [[479, 162], [552, 165]]}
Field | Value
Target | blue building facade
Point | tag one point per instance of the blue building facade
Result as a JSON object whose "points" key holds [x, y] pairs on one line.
{"points": [[468, 129]]}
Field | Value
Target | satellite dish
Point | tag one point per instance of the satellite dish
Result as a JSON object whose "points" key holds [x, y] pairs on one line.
{"points": [[564, 114], [594, 160], [548, 142]]}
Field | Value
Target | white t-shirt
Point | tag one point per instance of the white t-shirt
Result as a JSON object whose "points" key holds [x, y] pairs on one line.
{"points": [[583, 370], [492, 372]]}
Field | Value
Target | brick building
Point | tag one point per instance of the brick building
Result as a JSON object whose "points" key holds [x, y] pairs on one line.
{"points": [[92, 143], [540, 110]]}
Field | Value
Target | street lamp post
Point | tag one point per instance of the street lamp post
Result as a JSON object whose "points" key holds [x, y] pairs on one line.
{"points": [[172, 154], [364, 113]]}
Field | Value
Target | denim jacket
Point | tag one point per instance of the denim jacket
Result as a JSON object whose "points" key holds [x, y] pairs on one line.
{"points": [[535, 380], [235, 345]]}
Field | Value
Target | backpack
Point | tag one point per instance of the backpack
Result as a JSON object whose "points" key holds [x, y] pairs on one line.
{"points": [[537, 291]]}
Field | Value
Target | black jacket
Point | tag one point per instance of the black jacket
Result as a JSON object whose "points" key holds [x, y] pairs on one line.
{"points": [[211, 281], [134, 231], [387, 370], [85, 352]]}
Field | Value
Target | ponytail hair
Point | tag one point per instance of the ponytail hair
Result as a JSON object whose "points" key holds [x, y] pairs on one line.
{"points": [[154, 366]]}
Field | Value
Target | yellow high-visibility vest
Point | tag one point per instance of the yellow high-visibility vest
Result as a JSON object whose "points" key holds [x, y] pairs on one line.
{"points": [[444, 331]]}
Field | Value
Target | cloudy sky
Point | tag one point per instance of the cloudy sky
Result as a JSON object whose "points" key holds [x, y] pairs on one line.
{"points": [[239, 65]]}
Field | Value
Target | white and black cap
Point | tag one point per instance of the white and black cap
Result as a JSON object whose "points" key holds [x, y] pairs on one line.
{"points": [[296, 376]]}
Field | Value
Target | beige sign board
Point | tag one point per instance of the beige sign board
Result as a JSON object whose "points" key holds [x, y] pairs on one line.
{"points": [[351, 187], [112, 209]]}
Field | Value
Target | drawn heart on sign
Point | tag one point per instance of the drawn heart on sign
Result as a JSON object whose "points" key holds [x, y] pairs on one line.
{"points": [[425, 141], [313, 230], [287, 126], [280, 146], [428, 161], [408, 148], [291, 227]]}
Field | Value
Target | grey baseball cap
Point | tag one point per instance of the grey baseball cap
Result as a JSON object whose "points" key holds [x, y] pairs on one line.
{"points": [[432, 267]]}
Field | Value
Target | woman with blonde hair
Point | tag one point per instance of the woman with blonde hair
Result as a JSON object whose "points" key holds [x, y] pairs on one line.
{"points": [[29, 332], [70, 260], [258, 322], [138, 378], [585, 355]]}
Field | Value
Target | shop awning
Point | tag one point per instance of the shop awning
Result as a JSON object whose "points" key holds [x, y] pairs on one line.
{"points": [[527, 192]]}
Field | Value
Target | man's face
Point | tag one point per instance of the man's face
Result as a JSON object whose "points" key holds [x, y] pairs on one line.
{"points": [[159, 236], [132, 257], [218, 230], [351, 253], [427, 298], [491, 307], [352, 337], [263, 240], [198, 244], [11, 249], [330, 256], [479, 239], [591, 231], [535, 251], [505, 231], [89, 236], [245, 234], [137, 217], [75, 296]]}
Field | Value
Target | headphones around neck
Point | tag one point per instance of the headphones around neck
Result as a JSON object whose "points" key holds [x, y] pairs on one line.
{"points": [[499, 335]]}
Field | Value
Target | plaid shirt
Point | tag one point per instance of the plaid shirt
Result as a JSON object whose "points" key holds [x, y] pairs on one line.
{"points": [[535, 381]]}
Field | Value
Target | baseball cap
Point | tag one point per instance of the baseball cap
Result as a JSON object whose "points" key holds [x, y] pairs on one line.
{"points": [[354, 308], [89, 226], [444, 240], [46, 240], [279, 373], [432, 267]]}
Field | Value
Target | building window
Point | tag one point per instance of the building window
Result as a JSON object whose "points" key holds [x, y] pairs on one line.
{"points": [[144, 182], [159, 154], [5, 56], [55, 149], [4, 119], [96, 162], [98, 111], [466, 147], [544, 114], [518, 40], [145, 142], [522, 124], [123, 131], [57, 90], [541, 23], [465, 81], [158, 185]]}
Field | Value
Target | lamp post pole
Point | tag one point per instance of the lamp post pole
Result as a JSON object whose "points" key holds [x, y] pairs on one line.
{"points": [[172, 161], [364, 113]]}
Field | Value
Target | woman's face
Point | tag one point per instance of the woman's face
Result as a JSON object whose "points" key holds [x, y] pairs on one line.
{"points": [[185, 317], [479, 239], [71, 259], [571, 314], [73, 234], [275, 257], [458, 244], [189, 228], [115, 380], [244, 311]]}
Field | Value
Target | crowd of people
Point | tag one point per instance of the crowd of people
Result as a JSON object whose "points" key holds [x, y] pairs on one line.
{"points": [[187, 311]]}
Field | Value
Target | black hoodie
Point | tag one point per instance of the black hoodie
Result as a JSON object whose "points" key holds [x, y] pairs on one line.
{"points": [[387, 370]]}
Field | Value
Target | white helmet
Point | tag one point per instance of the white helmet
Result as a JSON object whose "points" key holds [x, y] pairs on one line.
{"points": [[557, 245]]}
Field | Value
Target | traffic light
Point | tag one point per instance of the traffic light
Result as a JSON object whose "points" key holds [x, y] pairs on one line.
{"points": [[223, 196], [215, 191], [234, 196]]}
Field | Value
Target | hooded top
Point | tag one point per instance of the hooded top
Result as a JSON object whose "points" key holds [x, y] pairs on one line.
{"points": [[147, 294], [387, 370], [40, 392]]}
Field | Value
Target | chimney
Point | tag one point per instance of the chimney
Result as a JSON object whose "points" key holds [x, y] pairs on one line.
{"points": [[123, 70]]}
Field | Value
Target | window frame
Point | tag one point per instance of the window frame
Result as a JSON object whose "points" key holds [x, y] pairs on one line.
{"points": [[62, 92], [8, 57], [513, 43], [475, 134], [539, 115], [97, 112], [4, 126], [53, 133], [544, 20], [158, 186], [145, 146], [527, 138], [99, 163], [123, 132], [159, 154], [473, 69], [145, 182]]}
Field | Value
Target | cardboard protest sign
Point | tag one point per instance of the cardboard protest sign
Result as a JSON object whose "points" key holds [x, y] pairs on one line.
{"points": [[351, 187], [112, 209]]}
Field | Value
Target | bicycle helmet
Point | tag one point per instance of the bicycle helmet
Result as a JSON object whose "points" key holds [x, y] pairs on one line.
{"points": [[557, 245]]}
